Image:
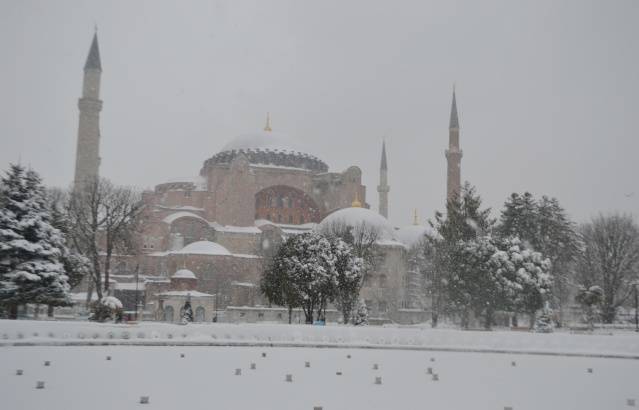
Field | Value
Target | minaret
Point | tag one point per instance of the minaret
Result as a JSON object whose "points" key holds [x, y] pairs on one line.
{"points": [[383, 187], [87, 159], [453, 153]]}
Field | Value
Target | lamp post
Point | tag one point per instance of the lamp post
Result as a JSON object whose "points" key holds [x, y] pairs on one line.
{"points": [[636, 306]]}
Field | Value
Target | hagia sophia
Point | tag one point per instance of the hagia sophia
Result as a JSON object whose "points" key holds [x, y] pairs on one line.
{"points": [[206, 239]]}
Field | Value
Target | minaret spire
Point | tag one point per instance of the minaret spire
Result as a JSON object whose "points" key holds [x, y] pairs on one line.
{"points": [[453, 153], [267, 127], [87, 160], [383, 188]]}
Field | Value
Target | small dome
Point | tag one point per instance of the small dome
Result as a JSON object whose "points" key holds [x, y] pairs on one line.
{"points": [[184, 274], [412, 234], [357, 218], [204, 248]]}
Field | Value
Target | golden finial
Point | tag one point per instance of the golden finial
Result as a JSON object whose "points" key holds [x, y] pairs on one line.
{"points": [[415, 217], [267, 127], [356, 203]]}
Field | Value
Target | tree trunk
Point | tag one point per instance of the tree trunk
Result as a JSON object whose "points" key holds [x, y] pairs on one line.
{"points": [[290, 315], [533, 316], [50, 311], [13, 311], [434, 319]]}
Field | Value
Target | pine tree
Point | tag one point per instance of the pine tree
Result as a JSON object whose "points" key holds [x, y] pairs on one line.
{"points": [[361, 315], [544, 324], [30, 247], [187, 312], [464, 221]]}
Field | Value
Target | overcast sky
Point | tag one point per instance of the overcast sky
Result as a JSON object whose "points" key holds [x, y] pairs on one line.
{"points": [[547, 91]]}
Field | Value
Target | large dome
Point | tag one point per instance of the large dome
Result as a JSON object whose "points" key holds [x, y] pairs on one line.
{"points": [[270, 149], [262, 140], [412, 234], [359, 218]]}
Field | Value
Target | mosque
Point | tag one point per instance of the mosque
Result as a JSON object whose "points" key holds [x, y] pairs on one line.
{"points": [[206, 239]]}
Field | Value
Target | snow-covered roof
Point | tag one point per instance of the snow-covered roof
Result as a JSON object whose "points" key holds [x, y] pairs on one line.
{"points": [[169, 219], [235, 229], [191, 293], [130, 286], [412, 234], [262, 140], [204, 248], [184, 274], [359, 218]]}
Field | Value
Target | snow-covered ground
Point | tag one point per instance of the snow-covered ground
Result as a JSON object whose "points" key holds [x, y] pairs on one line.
{"points": [[82, 378], [614, 343], [475, 368]]}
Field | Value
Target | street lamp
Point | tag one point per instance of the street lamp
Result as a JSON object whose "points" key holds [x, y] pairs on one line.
{"points": [[636, 306]]}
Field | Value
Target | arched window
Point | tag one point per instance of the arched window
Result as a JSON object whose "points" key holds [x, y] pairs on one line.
{"points": [[199, 314], [168, 314]]}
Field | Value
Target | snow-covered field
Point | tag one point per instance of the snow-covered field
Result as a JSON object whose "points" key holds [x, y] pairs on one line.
{"points": [[475, 369], [29, 332], [82, 378]]}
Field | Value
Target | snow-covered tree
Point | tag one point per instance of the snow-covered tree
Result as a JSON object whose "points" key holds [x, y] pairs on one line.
{"points": [[187, 312], [107, 308], [349, 270], [360, 318], [104, 218], [544, 323], [528, 274], [590, 298], [543, 226], [311, 270], [610, 259], [464, 221], [31, 270]]}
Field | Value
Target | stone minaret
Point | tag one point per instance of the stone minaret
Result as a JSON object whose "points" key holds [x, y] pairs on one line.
{"points": [[383, 187], [87, 159], [453, 153]]}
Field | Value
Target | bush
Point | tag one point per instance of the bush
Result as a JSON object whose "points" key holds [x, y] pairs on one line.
{"points": [[107, 308]]}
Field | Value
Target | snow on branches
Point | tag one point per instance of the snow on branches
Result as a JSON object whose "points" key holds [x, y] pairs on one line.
{"points": [[310, 271], [31, 249]]}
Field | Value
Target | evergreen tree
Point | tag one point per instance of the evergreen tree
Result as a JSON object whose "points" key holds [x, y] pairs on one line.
{"points": [[187, 312], [519, 218], [464, 221], [361, 315], [544, 324], [349, 270], [543, 226], [31, 270]]}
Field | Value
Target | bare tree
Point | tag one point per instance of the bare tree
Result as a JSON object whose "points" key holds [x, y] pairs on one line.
{"points": [[610, 259], [104, 219]]}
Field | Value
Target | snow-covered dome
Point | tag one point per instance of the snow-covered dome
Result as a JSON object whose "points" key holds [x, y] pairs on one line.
{"points": [[184, 274], [412, 234], [268, 148], [358, 218], [262, 140], [204, 248]]}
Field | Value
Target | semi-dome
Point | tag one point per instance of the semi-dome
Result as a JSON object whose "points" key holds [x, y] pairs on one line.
{"points": [[267, 148], [204, 248], [184, 274], [359, 218], [412, 234]]}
